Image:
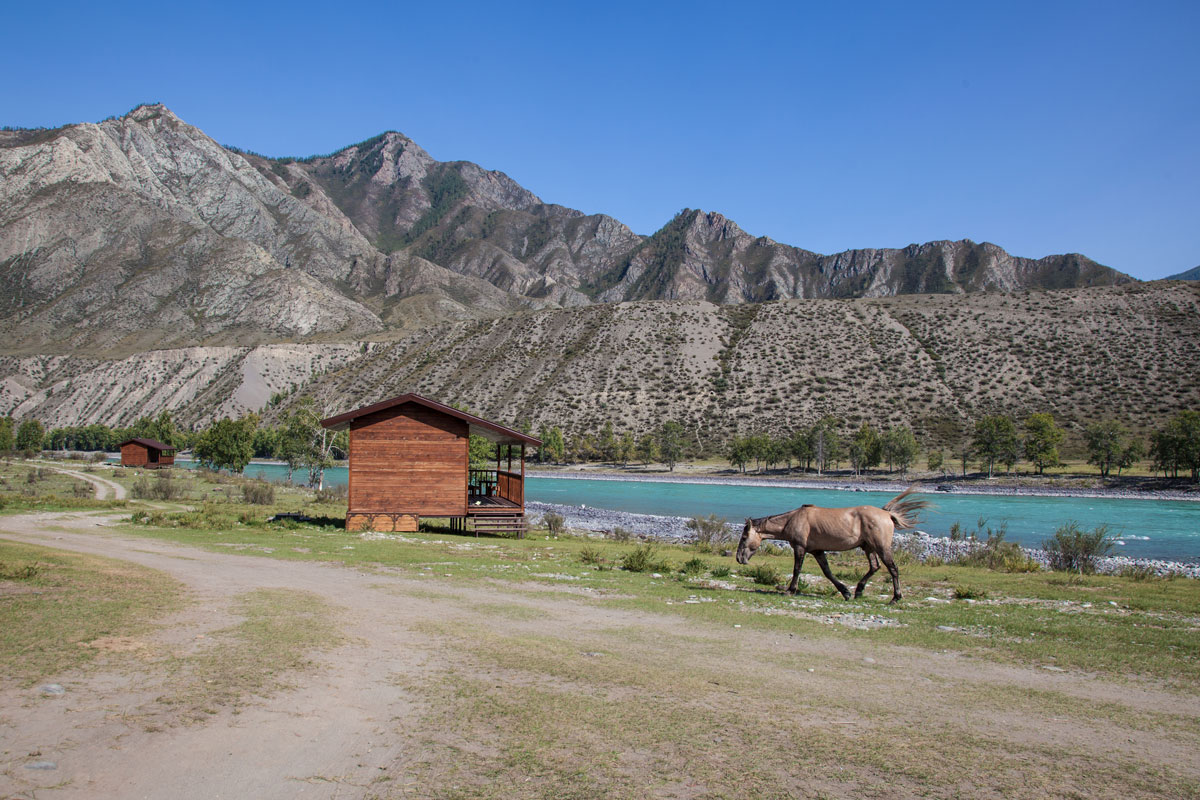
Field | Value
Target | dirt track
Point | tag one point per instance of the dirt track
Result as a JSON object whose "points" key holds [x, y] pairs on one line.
{"points": [[349, 722]]}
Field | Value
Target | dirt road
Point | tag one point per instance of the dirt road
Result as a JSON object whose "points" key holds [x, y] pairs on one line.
{"points": [[105, 489], [347, 730]]}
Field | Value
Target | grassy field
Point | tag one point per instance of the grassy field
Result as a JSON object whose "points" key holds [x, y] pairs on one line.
{"points": [[559, 671]]}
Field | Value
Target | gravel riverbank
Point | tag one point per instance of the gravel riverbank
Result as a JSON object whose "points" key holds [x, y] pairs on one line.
{"points": [[675, 531]]}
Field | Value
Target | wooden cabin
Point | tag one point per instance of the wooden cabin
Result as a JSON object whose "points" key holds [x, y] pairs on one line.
{"points": [[147, 453], [409, 459]]}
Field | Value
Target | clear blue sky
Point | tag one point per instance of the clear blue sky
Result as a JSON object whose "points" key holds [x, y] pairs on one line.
{"points": [[1044, 127]]}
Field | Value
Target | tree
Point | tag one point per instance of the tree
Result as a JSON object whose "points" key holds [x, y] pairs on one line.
{"points": [[1177, 445], [995, 440], [739, 453], [864, 449], [626, 448], [163, 429], [933, 460], [670, 443], [293, 440], [227, 443], [30, 435], [553, 447], [824, 443], [800, 447], [1042, 438], [7, 440], [1105, 442], [899, 448], [647, 449], [608, 443]]}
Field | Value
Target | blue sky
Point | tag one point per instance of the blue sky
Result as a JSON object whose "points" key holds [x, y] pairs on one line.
{"points": [[1043, 127]]}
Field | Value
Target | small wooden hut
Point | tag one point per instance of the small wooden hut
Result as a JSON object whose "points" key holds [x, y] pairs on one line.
{"points": [[147, 453], [409, 459]]}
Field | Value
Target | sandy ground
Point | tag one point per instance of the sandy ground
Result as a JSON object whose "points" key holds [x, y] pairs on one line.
{"points": [[350, 720]]}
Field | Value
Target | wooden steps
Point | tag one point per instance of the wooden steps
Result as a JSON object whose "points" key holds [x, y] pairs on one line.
{"points": [[497, 523]]}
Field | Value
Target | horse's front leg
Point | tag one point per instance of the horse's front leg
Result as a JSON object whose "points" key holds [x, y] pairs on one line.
{"points": [[799, 563]]}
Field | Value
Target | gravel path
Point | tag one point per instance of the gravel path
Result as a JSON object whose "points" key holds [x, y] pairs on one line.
{"points": [[104, 487]]}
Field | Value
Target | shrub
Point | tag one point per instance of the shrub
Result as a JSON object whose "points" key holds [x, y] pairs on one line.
{"points": [[258, 493], [555, 523], [331, 494], [643, 558], [764, 574], [968, 593], [995, 553], [164, 487], [694, 566], [711, 531], [22, 572], [1141, 572], [1075, 550], [82, 489], [620, 534], [590, 554], [99, 458], [720, 572]]}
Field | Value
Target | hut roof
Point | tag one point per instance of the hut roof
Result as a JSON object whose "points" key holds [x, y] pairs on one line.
{"points": [[152, 443], [479, 426]]}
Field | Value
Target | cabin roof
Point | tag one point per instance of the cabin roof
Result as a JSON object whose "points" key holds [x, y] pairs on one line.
{"points": [[152, 443], [479, 426]]}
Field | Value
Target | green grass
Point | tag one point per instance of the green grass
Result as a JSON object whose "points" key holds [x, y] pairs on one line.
{"points": [[53, 604]]}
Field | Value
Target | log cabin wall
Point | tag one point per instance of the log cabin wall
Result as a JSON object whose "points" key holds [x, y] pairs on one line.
{"points": [[134, 455], [408, 459]]}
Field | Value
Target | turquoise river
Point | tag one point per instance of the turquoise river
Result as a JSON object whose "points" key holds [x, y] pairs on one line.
{"points": [[1162, 529]]}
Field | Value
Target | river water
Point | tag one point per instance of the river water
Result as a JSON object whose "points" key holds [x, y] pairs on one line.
{"points": [[1162, 529]]}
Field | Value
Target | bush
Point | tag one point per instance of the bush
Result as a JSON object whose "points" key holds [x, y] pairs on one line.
{"points": [[82, 489], [643, 559], [711, 531], [620, 534], [968, 593], [720, 572], [258, 493], [995, 553], [331, 494], [694, 566], [1141, 572], [1075, 550], [164, 487], [590, 554], [764, 574], [99, 458], [555, 523], [22, 572]]}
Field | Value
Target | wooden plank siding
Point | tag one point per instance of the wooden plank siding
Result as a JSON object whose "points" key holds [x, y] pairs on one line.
{"points": [[134, 455], [408, 460]]}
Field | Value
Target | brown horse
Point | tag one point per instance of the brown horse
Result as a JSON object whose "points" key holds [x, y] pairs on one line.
{"points": [[810, 529]]}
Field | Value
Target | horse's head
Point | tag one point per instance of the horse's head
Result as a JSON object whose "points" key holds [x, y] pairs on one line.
{"points": [[751, 539]]}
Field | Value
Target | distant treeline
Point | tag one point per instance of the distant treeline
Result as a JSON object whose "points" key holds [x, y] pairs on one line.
{"points": [[994, 442]]}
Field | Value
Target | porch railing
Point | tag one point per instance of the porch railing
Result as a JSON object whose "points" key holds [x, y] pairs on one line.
{"points": [[497, 483]]}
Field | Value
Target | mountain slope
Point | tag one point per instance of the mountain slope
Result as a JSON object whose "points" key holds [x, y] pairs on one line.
{"points": [[1192, 274], [142, 232], [934, 362]]}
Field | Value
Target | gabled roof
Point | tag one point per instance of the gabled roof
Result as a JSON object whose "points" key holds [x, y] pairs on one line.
{"points": [[478, 425], [152, 443]]}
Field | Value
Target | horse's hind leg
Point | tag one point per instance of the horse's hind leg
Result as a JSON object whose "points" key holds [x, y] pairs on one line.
{"points": [[799, 563], [872, 568], [819, 555], [891, 566]]}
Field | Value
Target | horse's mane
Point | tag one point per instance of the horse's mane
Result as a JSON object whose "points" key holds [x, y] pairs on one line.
{"points": [[758, 522], [904, 507]]}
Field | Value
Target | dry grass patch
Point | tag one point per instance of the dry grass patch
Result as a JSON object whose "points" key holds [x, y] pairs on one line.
{"points": [[54, 604]]}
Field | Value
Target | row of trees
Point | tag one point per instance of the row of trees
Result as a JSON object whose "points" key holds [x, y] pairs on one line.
{"points": [[300, 442]]}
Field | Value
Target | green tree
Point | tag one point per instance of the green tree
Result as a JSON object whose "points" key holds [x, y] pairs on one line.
{"points": [[1177, 445], [824, 443], [30, 435], [293, 440], [553, 447], [864, 448], [739, 453], [626, 448], [607, 443], [647, 449], [995, 441], [670, 443], [227, 443], [163, 429], [1042, 438], [1105, 441], [801, 448], [899, 448], [934, 460], [7, 438], [481, 452]]}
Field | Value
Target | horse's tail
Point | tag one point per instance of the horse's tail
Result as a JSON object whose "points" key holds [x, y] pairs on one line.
{"points": [[904, 507]]}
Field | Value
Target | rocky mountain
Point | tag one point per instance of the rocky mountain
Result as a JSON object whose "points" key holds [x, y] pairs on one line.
{"points": [[936, 362], [141, 232], [1192, 274]]}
